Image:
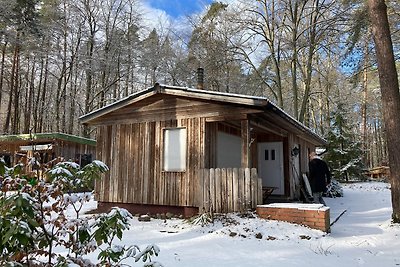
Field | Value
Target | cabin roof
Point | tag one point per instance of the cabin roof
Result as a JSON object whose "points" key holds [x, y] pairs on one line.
{"points": [[229, 98], [45, 137]]}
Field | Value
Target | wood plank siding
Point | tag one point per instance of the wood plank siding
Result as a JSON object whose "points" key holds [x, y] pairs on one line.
{"points": [[134, 154], [131, 140]]}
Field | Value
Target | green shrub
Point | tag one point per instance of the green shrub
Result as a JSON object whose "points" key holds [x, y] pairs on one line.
{"points": [[34, 221]]}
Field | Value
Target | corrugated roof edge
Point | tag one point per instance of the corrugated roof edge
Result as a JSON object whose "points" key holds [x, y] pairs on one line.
{"points": [[57, 135]]}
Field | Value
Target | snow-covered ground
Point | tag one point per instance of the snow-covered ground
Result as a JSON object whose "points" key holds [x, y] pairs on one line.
{"points": [[363, 236]]}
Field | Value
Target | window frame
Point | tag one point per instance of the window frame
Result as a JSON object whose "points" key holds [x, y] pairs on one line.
{"points": [[182, 157]]}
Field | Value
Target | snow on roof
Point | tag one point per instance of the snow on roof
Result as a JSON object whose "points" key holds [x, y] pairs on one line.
{"points": [[214, 92], [45, 136]]}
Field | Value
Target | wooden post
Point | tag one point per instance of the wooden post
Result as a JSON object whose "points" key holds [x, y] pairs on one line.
{"points": [[212, 204], [229, 174], [224, 202], [206, 191], [247, 188], [235, 189], [260, 196], [241, 187], [254, 187], [245, 134], [218, 192], [200, 189]]}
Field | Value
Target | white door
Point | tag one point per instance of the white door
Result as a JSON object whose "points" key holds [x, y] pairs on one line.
{"points": [[270, 166]]}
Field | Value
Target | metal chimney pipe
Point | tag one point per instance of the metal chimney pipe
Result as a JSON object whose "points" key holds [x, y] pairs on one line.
{"points": [[200, 78]]}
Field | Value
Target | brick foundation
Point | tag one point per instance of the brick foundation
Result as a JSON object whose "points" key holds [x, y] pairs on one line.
{"points": [[315, 216]]}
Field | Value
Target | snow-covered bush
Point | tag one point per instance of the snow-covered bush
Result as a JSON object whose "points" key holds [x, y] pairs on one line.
{"points": [[202, 219], [334, 189], [34, 220]]}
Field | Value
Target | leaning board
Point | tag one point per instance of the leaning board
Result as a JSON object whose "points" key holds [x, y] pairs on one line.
{"points": [[307, 184]]}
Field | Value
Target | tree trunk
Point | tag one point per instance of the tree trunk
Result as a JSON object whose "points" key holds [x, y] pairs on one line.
{"points": [[89, 83], [29, 96], [73, 94], [296, 11], [37, 99], [3, 56], [364, 108], [11, 117], [309, 66], [390, 94], [15, 121], [44, 95]]}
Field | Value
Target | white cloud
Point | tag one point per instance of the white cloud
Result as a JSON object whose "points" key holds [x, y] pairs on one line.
{"points": [[154, 18]]}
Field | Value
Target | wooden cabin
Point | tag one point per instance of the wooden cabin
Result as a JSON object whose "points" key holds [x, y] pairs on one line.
{"points": [[187, 150], [47, 146]]}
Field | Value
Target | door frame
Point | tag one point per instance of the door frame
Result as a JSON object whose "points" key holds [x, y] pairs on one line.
{"points": [[261, 147]]}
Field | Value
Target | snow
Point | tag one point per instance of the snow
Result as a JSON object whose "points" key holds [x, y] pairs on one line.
{"points": [[100, 164], [362, 236], [300, 206], [60, 171], [69, 164]]}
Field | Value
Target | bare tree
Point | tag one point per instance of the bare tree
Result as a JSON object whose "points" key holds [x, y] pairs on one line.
{"points": [[212, 47], [263, 20]]}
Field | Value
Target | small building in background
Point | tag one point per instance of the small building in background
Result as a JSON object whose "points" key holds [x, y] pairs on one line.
{"points": [[46, 147]]}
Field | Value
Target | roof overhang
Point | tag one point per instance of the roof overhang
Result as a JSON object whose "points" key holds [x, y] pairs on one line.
{"points": [[176, 91], [308, 133], [261, 103]]}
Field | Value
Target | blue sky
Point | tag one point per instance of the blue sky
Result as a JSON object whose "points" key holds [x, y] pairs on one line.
{"points": [[177, 8]]}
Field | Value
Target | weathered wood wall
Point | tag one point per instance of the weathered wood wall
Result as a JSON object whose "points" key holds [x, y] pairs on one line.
{"points": [[134, 154], [229, 190], [69, 150]]}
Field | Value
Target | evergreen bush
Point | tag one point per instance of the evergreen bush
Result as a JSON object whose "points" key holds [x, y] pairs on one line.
{"points": [[344, 154], [34, 220], [334, 189]]}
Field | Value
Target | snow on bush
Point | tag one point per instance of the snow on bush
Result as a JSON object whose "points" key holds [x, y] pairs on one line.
{"points": [[35, 219], [334, 189]]}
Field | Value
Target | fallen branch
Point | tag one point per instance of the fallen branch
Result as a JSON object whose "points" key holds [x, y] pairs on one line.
{"points": [[340, 215]]}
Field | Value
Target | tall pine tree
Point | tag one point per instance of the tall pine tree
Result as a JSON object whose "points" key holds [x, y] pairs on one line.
{"points": [[389, 83], [344, 154]]}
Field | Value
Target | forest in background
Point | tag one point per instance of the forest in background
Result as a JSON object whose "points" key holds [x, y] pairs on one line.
{"points": [[61, 59]]}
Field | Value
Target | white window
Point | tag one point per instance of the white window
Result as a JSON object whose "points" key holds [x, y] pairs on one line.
{"points": [[175, 149]]}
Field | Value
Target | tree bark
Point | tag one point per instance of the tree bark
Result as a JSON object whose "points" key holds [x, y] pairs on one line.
{"points": [[3, 55], [36, 104], [11, 117], [390, 94], [364, 106], [309, 65], [29, 95]]}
